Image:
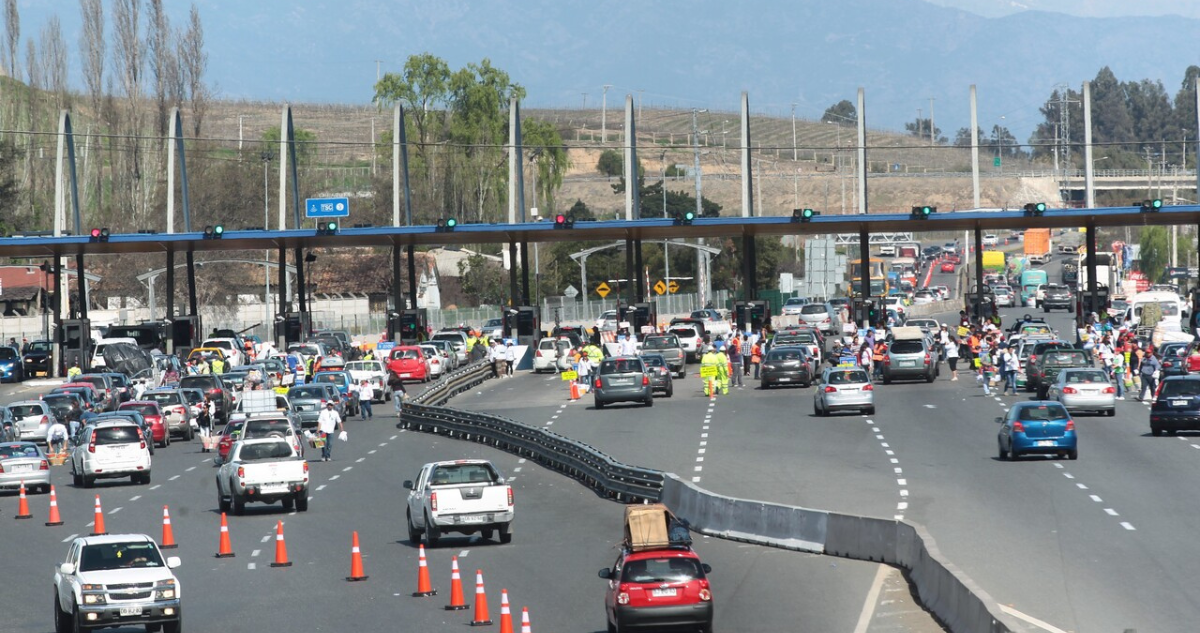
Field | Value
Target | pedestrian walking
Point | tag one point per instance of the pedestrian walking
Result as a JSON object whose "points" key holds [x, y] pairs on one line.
{"points": [[510, 358], [736, 360], [399, 395], [952, 357], [747, 343], [756, 354], [1149, 370], [866, 357], [365, 395], [1119, 372], [327, 423], [204, 421]]}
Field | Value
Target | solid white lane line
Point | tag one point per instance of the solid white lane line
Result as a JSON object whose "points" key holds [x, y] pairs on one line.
{"points": [[1111, 512], [1127, 526], [1045, 626], [868, 608]]}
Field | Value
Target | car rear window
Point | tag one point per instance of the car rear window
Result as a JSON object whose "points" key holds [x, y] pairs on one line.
{"points": [[336, 379], [785, 355], [8, 451], [462, 474], [260, 427], [26, 411], [1180, 388], [1062, 358], [272, 450], [307, 392], [307, 350], [813, 309], [907, 347], [117, 435], [144, 409], [654, 361], [1087, 377], [163, 397], [200, 382], [847, 377], [658, 342], [621, 366], [685, 332], [1041, 413], [405, 354], [661, 570]]}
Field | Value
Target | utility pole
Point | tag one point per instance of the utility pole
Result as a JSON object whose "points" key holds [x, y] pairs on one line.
{"points": [[377, 67], [920, 124], [701, 272], [640, 91], [666, 240], [240, 117], [584, 100], [932, 134], [604, 115], [795, 154]]}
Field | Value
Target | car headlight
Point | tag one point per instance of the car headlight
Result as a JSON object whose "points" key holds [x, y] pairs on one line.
{"points": [[165, 594], [93, 598]]}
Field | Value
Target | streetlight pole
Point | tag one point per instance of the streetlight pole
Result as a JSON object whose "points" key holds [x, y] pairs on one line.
{"points": [[795, 152], [604, 115], [701, 282], [266, 161], [666, 241]]}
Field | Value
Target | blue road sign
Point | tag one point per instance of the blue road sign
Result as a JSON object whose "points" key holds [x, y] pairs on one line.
{"points": [[327, 208], [385, 346]]}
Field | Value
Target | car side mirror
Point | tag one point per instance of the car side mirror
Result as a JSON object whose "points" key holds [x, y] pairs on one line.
{"points": [[706, 567], [999, 420], [408, 484], [173, 562], [605, 573], [66, 569]]}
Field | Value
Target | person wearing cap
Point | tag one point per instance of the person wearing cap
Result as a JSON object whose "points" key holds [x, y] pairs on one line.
{"points": [[365, 395], [327, 423], [1007, 362]]}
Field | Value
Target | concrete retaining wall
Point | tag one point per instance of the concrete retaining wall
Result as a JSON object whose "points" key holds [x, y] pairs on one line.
{"points": [[952, 597]]}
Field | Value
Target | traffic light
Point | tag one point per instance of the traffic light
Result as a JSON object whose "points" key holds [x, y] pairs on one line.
{"points": [[920, 213], [445, 225], [214, 232], [564, 221], [1035, 209], [685, 218], [804, 215], [100, 235], [1150, 206], [328, 227]]}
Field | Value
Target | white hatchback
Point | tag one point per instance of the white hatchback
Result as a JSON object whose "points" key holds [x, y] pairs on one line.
{"points": [[107, 450]]}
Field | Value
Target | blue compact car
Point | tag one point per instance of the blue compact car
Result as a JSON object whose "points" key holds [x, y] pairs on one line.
{"points": [[11, 368], [1041, 427]]}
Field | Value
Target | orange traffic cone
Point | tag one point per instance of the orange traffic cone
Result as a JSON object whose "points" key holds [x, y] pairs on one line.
{"points": [[55, 519], [574, 390], [356, 566], [23, 505], [168, 539], [712, 389], [481, 610], [424, 588], [224, 550], [281, 559], [505, 613], [525, 620], [98, 525], [456, 594]]}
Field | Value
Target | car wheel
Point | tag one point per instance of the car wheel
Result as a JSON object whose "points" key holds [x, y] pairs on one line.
{"points": [[143, 479], [288, 503], [816, 409], [599, 404], [191, 433], [302, 501], [506, 533], [1012, 454], [62, 620], [239, 505], [1073, 454], [682, 374], [175, 626], [887, 380], [1045, 308], [649, 401], [414, 535], [1002, 454], [76, 480], [222, 501], [670, 391], [871, 411], [88, 482], [930, 377], [1111, 412], [1157, 432], [1070, 310], [77, 621], [432, 534]]}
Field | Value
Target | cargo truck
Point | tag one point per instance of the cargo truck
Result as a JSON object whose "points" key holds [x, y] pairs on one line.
{"points": [[1037, 246]]}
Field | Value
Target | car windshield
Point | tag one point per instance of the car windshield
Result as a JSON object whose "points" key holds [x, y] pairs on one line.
{"points": [[847, 377], [312, 393], [162, 397], [907, 347], [785, 355], [144, 409], [267, 450], [117, 435], [364, 365], [815, 308], [451, 474], [103, 556], [1090, 376], [1180, 388], [658, 342], [26, 410], [10, 451], [336, 379], [621, 366], [40, 346], [1041, 413], [676, 569]]}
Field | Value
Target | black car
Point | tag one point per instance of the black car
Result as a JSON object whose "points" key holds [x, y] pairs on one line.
{"points": [[1058, 297], [1177, 407], [67, 407], [786, 366], [213, 386], [660, 374], [36, 357], [1174, 358]]}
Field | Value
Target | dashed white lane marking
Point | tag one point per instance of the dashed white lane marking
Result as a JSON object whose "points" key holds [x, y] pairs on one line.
{"points": [[694, 480], [879, 437], [884, 444], [1111, 512], [1096, 499], [521, 461], [135, 498], [903, 493], [703, 443], [894, 460], [1081, 486], [700, 459], [903, 505], [890, 452], [699, 468], [393, 437], [874, 429], [360, 460], [554, 417], [703, 435], [251, 566], [701, 450], [70, 538], [463, 554], [1058, 465], [1195, 445], [382, 444], [334, 477], [115, 510], [255, 553], [1127, 526], [371, 452], [1068, 475], [320, 487], [190, 469], [156, 486], [265, 538], [902, 482], [517, 469], [348, 468]]}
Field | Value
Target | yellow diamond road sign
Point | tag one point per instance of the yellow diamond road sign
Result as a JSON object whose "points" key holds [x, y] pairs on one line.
{"points": [[674, 287], [603, 290], [660, 287]]}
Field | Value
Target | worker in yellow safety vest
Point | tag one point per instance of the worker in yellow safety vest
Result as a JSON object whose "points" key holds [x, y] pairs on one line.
{"points": [[710, 359]]}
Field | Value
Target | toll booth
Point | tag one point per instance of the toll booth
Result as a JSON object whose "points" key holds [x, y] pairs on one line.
{"points": [[409, 326], [751, 316], [1086, 305], [186, 333], [869, 312], [292, 328], [638, 316], [75, 343], [528, 325]]}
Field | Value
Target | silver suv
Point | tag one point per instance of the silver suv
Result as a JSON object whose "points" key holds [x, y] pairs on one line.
{"points": [[909, 358], [819, 315]]}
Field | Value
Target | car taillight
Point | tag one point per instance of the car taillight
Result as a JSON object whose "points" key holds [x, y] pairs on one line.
{"points": [[45, 465], [705, 595], [305, 467], [92, 443], [539, 353], [1158, 391], [623, 598], [1070, 390], [1110, 390], [143, 443], [1018, 427], [45, 421], [1167, 364], [645, 380], [1, 468], [887, 360], [510, 496], [241, 472], [1070, 425], [598, 385], [830, 389], [433, 501], [926, 358], [869, 387]]}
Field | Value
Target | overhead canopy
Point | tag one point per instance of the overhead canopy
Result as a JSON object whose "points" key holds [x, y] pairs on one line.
{"points": [[647, 229]]}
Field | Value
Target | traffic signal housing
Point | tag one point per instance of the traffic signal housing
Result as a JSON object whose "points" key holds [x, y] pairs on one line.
{"points": [[1035, 209], [564, 221], [922, 212], [685, 218], [804, 215], [1151, 206], [446, 225], [100, 235], [328, 227], [214, 232]]}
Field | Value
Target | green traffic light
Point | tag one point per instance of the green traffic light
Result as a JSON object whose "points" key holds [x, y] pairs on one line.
{"points": [[1156, 203], [689, 216], [1041, 206], [808, 213], [218, 229], [451, 222], [926, 210]]}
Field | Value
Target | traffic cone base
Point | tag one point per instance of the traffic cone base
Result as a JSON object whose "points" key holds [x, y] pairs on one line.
{"points": [[23, 506], [356, 565], [55, 518], [168, 538], [281, 557], [225, 550], [424, 587], [98, 528]]}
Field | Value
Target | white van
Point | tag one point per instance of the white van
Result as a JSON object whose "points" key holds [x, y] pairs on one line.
{"points": [[98, 352], [1172, 309]]}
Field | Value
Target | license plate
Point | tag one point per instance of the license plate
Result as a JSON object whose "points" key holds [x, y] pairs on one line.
{"points": [[785, 380], [275, 488], [1179, 403], [664, 593], [473, 519], [908, 363], [1046, 443], [22, 468], [847, 389], [406, 375], [620, 382], [128, 611]]}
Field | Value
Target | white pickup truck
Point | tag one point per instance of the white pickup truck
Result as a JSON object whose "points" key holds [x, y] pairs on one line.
{"points": [[264, 470], [464, 496], [116, 580]]}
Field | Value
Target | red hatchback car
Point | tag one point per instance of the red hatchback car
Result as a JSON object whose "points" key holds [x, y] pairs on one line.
{"points": [[154, 417], [408, 363], [658, 588], [947, 267]]}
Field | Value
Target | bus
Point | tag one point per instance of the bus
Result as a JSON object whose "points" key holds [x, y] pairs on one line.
{"points": [[879, 279]]}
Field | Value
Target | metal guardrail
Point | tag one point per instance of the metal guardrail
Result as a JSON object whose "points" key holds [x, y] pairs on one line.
{"points": [[586, 464]]}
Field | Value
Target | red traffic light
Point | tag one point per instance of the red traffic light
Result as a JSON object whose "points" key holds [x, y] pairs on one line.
{"points": [[95, 232], [560, 219]]}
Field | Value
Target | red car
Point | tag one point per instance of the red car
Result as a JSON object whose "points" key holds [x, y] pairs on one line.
{"points": [[659, 587], [408, 363], [947, 267], [229, 435], [952, 258], [154, 417]]}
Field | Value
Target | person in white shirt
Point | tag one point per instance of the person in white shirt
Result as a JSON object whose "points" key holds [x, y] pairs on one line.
{"points": [[510, 358], [56, 438], [365, 395], [629, 345], [585, 368], [327, 423]]}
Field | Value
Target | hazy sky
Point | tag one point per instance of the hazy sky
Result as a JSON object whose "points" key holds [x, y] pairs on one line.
{"points": [[1083, 8]]}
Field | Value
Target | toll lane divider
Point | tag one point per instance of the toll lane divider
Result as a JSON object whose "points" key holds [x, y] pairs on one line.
{"points": [[953, 598]]}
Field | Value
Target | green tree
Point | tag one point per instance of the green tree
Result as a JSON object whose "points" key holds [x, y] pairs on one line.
{"points": [[422, 88], [306, 143], [544, 147], [483, 279], [1150, 110], [920, 129], [611, 163], [1185, 101], [1155, 251], [839, 112]]}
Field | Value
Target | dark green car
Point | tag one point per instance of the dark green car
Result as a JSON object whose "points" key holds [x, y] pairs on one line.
{"points": [[1053, 361]]}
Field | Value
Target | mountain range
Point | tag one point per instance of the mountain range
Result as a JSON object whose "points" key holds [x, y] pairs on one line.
{"points": [[687, 53]]}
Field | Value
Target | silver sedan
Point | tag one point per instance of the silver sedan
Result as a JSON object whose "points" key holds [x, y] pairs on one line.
{"points": [[844, 388], [24, 462], [1084, 389]]}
